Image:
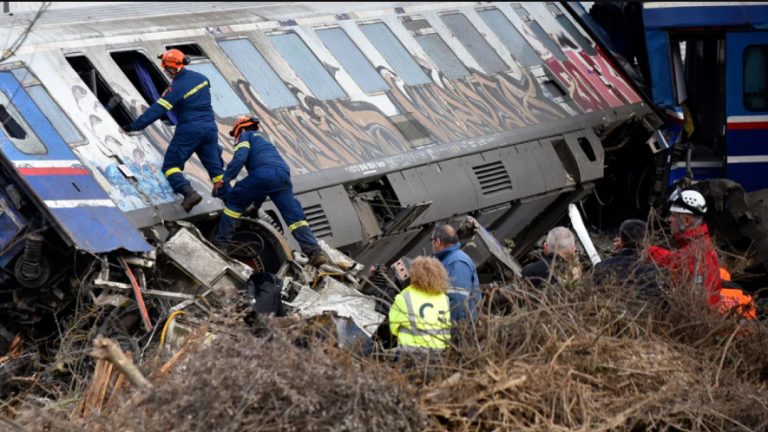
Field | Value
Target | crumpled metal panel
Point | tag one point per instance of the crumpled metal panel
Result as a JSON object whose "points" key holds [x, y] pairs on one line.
{"points": [[204, 263], [333, 296]]}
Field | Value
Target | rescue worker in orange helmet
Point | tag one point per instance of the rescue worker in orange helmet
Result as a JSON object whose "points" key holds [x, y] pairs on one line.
{"points": [[189, 97], [268, 176]]}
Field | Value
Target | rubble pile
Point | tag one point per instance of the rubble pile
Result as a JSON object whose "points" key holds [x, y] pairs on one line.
{"points": [[570, 356], [267, 382]]}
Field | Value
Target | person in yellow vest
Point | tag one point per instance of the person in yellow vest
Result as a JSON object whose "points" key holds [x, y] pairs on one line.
{"points": [[420, 316]]}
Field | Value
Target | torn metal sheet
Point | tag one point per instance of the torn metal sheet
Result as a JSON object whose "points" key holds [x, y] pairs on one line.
{"points": [[333, 296], [488, 245], [201, 261], [340, 260]]}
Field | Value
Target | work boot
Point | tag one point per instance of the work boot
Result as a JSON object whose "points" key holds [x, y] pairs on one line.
{"points": [[318, 258], [191, 198]]}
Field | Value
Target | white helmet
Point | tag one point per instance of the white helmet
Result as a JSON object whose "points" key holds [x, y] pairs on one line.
{"points": [[688, 201]]}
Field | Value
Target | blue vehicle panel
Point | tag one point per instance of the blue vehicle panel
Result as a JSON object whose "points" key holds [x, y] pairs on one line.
{"points": [[747, 129], [704, 16], [62, 187]]}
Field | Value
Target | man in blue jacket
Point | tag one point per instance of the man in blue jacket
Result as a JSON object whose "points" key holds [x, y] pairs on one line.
{"points": [[189, 96], [464, 292], [268, 176]]}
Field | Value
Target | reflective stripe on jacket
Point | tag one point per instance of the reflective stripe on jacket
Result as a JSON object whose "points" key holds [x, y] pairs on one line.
{"points": [[420, 320]]}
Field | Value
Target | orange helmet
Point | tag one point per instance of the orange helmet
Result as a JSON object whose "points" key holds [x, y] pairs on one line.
{"points": [[173, 59], [241, 123]]}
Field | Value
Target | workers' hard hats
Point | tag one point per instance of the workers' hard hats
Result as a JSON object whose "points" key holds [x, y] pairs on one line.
{"points": [[688, 201], [173, 59], [241, 123]]}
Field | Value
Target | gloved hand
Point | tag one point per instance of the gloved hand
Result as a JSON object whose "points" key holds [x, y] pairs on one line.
{"points": [[127, 128], [218, 187]]}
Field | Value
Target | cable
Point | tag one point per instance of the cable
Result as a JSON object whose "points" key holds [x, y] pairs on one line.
{"points": [[10, 52], [167, 325]]}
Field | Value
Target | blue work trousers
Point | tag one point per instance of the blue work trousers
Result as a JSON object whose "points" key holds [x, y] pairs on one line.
{"points": [[274, 183], [190, 139]]}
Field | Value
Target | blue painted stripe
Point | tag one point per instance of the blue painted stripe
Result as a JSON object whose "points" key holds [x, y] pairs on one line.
{"points": [[66, 187], [705, 16], [99, 229], [750, 175], [747, 142]]}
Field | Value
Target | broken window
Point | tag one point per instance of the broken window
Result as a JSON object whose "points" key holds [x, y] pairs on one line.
{"points": [[145, 76], [307, 66], [259, 73], [352, 59], [192, 50], [17, 129], [755, 78], [517, 45], [226, 103], [94, 81], [563, 20], [59, 120], [395, 53], [473, 41]]}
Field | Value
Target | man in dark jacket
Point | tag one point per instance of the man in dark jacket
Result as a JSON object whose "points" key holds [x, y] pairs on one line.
{"points": [[464, 290], [629, 265], [189, 96], [558, 262], [268, 176]]}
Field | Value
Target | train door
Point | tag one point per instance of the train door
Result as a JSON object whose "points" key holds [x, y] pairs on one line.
{"points": [[747, 108]]}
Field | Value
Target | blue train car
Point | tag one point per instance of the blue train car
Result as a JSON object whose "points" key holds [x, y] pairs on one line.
{"points": [[706, 69]]}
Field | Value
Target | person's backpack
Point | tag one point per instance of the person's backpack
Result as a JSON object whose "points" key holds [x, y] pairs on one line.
{"points": [[264, 290]]}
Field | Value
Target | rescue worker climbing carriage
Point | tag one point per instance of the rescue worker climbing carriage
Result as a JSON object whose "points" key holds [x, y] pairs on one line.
{"points": [[268, 176], [189, 97]]}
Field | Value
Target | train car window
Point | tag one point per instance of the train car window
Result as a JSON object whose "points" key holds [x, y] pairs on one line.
{"points": [[473, 41], [395, 53], [192, 50], [249, 61], [96, 83], [442, 55], [563, 20], [307, 66], [517, 45], [224, 100], [352, 59], [756, 78], [145, 76], [17, 129], [540, 34], [59, 120]]}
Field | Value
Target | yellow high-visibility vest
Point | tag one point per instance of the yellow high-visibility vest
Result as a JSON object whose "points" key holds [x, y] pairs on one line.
{"points": [[420, 320]]}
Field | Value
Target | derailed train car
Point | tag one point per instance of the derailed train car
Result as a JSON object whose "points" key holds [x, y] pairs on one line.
{"points": [[392, 116]]}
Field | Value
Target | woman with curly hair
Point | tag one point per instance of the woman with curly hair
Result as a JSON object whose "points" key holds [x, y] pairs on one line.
{"points": [[420, 316]]}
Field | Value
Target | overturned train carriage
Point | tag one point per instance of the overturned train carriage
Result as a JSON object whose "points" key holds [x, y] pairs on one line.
{"points": [[392, 116]]}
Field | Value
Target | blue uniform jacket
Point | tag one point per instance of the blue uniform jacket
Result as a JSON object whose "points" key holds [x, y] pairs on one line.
{"points": [[253, 151], [464, 293], [189, 96]]}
